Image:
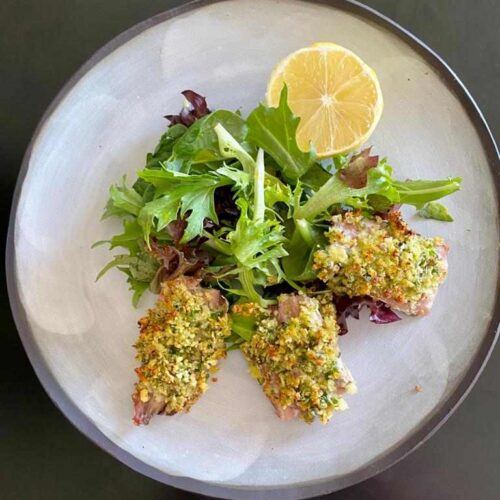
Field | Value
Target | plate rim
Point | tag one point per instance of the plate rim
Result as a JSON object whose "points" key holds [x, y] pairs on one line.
{"points": [[301, 490]]}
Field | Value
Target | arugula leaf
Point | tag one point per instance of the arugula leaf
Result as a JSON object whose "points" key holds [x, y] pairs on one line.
{"points": [[316, 176], [200, 143], [274, 130], [154, 160], [321, 171], [176, 195], [434, 210]]}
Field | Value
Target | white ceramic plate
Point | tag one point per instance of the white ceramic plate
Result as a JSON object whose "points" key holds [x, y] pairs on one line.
{"points": [[78, 334]]}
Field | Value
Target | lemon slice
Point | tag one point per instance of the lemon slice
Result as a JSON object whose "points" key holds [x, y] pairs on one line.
{"points": [[335, 94]]}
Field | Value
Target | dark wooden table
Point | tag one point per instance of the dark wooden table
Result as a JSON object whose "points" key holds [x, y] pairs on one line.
{"points": [[41, 455]]}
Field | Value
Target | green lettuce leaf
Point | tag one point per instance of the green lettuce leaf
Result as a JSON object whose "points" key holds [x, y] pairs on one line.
{"points": [[162, 153], [305, 240], [436, 211], [131, 238], [380, 192], [243, 326], [229, 147], [139, 266], [200, 143], [164, 148], [271, 187], [335, 191], [420, 192], [123, 201], [274, 130]]}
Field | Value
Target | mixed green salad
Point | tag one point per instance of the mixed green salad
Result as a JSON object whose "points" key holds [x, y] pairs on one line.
{"points": [[235, 201]]}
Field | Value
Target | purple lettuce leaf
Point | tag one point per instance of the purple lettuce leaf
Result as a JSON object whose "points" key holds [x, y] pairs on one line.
{"points": [[380, 312], [197, 108]]}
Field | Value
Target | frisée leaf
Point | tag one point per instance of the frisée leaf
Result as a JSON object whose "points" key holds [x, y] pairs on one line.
{"points": [[180, 195]]}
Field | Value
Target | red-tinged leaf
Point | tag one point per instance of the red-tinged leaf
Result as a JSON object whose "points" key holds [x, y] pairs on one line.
{"points": [[175, 262], [176, 230], [355, 174], [198, 103], [380, 313], [197, 108]]}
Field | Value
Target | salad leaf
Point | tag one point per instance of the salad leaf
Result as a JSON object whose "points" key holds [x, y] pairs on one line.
{"points": [[195, 108], [335, 191], [305, 240], [176, 195], [379, 186], [271, 189], [123, 201], [259, 205], [355, 174], [434, 210], [140, 269], [380, 313], [138, 288], [154, 160], [164, 148], [243, 325], [241, 179], [131, 238], [274, 130], [200, 143], [254, 243], [276, 191], [252, 251], [238, 202], [420, 192], [175, 262], [229, 147], [316, 176], [234, 341]]}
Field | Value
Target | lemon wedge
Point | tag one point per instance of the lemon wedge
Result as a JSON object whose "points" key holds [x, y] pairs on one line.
{"points": [[335, 94]]}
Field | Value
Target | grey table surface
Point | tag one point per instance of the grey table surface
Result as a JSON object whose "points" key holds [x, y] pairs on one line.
{"points": [[41, 455]]}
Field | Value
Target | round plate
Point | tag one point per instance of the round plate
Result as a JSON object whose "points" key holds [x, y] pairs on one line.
{"points": [[78, 333]]}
